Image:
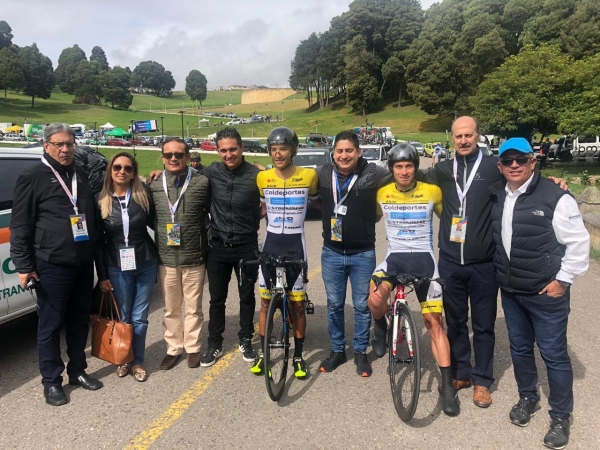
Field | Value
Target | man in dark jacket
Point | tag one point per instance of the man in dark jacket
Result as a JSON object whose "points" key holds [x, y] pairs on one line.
{"points": [[235, 220], [348, 189], [466, 252], [541, 246], [54, 232], [180, 197]]}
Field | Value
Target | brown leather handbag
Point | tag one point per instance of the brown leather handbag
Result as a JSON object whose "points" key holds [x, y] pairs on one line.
{"points": [[111, 339]]}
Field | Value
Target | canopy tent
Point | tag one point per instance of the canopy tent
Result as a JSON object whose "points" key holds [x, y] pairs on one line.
{"points": [[118, 132], [203, 122], [13, 129], [107, 126]]}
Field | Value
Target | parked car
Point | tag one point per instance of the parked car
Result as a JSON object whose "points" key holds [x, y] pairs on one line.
{"points": [[12, 137], [208, 113], [137, 141], [231, 115], [96, 142], [375, 154], [428, 149], [312, 157], [118, 142], [253, 146], [208, 145], [419, 147], [485, 149], [14, 300], [218, 114], [235, 122]]}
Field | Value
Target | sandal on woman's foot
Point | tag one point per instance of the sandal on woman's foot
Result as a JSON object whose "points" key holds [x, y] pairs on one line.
{"points": [[123, 370], [139, 373]]}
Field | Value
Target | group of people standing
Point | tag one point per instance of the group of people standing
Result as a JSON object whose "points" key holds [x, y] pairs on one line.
{"points": [[500, 225]]}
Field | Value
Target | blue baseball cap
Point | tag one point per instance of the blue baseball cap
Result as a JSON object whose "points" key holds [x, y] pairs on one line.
{"points": [[518, 144]]}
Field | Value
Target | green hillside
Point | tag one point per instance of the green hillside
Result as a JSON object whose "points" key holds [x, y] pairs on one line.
{"points": [[407, 122]]}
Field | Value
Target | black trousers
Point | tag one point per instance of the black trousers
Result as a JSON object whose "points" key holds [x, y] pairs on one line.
{"points": [[64, 299], [477, 283], [221, 261]]}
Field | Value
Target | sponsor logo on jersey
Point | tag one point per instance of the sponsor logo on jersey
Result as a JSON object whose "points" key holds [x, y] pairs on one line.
{"points": [[283, 219], [406, 233]]}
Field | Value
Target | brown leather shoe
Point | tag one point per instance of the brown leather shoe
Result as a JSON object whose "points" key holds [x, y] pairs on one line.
{"points": [[169, 362], [458, 385], [481, 396], [193, 360]]}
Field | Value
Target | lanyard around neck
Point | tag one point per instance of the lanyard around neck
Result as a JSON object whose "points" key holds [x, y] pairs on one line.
{"points": [[336, 186], [462, 194], [125, 215], [73, 193], [173, 207]]}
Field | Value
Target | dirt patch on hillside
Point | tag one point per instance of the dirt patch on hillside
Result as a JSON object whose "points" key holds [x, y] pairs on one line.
{"points": [[265, 95]]}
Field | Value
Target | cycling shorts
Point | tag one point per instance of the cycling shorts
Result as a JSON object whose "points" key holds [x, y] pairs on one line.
{"points": [[419, 264], [292, 246]]}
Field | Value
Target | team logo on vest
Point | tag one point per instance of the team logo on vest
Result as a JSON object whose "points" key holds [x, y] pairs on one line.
{"points": [[537, 212]]}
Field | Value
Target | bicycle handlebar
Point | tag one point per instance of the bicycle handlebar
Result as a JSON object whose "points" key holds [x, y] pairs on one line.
{"points": [[276, 261], [405, 279]]}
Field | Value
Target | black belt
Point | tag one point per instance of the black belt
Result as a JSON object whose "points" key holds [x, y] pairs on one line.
{"points": [[222, 243]]}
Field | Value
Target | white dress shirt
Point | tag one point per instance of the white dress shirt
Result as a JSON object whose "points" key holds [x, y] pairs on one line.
{"points": [[569, 230]]}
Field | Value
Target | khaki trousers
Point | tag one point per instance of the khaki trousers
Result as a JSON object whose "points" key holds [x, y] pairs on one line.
{"points": [[182, 288]]}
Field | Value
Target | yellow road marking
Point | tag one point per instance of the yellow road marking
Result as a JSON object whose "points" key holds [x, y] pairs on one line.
{"points": [[146, 438]]}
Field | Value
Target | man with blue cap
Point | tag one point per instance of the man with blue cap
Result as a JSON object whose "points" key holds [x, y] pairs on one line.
{"points": [[541, 245]]}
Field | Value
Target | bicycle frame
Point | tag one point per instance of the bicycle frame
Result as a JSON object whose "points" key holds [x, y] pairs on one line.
{"points": [[280, 287], [400, 297]]}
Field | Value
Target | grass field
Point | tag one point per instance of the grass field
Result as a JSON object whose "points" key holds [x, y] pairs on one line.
{"points": [[407, 123]]}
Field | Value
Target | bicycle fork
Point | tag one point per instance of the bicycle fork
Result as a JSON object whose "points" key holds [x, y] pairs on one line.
{"points": [[405, 332]]}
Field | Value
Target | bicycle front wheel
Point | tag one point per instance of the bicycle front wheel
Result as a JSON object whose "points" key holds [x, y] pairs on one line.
{"points": [[277, 346], [405, 362]]}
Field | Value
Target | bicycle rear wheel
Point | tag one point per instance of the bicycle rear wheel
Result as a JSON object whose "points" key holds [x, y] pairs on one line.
{"points": [[405, 365], [277, 346]]}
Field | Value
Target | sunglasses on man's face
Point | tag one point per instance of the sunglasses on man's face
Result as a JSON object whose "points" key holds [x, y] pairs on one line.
{"points": [[176, 155], [507, 162], [118, 167]]}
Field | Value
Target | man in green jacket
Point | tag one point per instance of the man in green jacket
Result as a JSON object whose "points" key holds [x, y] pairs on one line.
{"points": [[180, 197]]}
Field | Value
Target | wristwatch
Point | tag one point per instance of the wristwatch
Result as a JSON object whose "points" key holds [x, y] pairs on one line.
{"points": [[564, 284]]}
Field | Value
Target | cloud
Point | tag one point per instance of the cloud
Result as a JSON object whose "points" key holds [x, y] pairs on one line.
{"points": [[231, 42]]}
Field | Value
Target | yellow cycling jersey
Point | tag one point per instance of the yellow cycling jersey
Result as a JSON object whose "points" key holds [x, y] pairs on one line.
{"points": [[409, 216], [286, 200]]}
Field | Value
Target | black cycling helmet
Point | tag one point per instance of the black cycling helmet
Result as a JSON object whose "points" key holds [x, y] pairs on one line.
{"points": [[403, 152], [283, 135]]}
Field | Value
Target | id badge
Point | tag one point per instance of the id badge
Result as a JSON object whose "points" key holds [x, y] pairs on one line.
{"points": [[458, 229], [79, 227], [127, 258], [173, 234], [336, 229], [341, 210]]}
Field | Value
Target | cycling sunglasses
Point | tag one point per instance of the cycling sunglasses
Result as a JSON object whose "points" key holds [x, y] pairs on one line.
{"points": [[118, 167], [176, 155], [507, 162]]}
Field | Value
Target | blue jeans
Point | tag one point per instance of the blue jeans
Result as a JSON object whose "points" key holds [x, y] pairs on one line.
{"points": [[541, 319], [133, 291], [337, 268]]}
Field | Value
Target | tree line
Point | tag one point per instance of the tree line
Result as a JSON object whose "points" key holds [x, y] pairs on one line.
{"points": [[456, 56], [91, 81]]}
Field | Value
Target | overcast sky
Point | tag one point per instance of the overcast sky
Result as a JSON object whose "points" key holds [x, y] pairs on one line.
{"points": [[231, 41]]}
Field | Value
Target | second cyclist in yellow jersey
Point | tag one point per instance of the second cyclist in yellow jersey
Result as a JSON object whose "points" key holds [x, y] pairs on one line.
{"points": [[284, 192], [408, 207]]}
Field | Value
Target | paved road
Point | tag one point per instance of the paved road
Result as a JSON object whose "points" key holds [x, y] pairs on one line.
{"points": [[227, 407]]}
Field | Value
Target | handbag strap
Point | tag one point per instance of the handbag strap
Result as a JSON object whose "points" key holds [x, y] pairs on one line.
{"points": [[112, 306]]}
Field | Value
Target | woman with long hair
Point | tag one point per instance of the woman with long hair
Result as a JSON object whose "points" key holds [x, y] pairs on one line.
{"points": [[129, 254]]}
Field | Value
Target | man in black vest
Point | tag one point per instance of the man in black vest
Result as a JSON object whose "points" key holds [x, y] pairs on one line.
{"points": [[541, 246]]}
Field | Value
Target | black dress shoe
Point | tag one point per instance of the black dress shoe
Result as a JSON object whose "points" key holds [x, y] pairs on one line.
{"points": [[55, 396], [86, 382]]}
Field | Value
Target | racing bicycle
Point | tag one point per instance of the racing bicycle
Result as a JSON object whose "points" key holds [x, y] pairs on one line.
{"points": [[279, 320], [403, 343]]}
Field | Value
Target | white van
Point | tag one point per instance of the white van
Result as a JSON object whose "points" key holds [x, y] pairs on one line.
{"points": [[14, 300], [375, 154], [586, 147]]}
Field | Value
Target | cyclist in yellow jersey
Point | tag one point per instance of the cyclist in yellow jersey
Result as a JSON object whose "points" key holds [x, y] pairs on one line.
{"points": [[408, 207], [284, 193]]}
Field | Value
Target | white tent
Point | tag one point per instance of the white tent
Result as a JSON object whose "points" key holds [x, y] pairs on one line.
{"points": [[107, 126]]}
